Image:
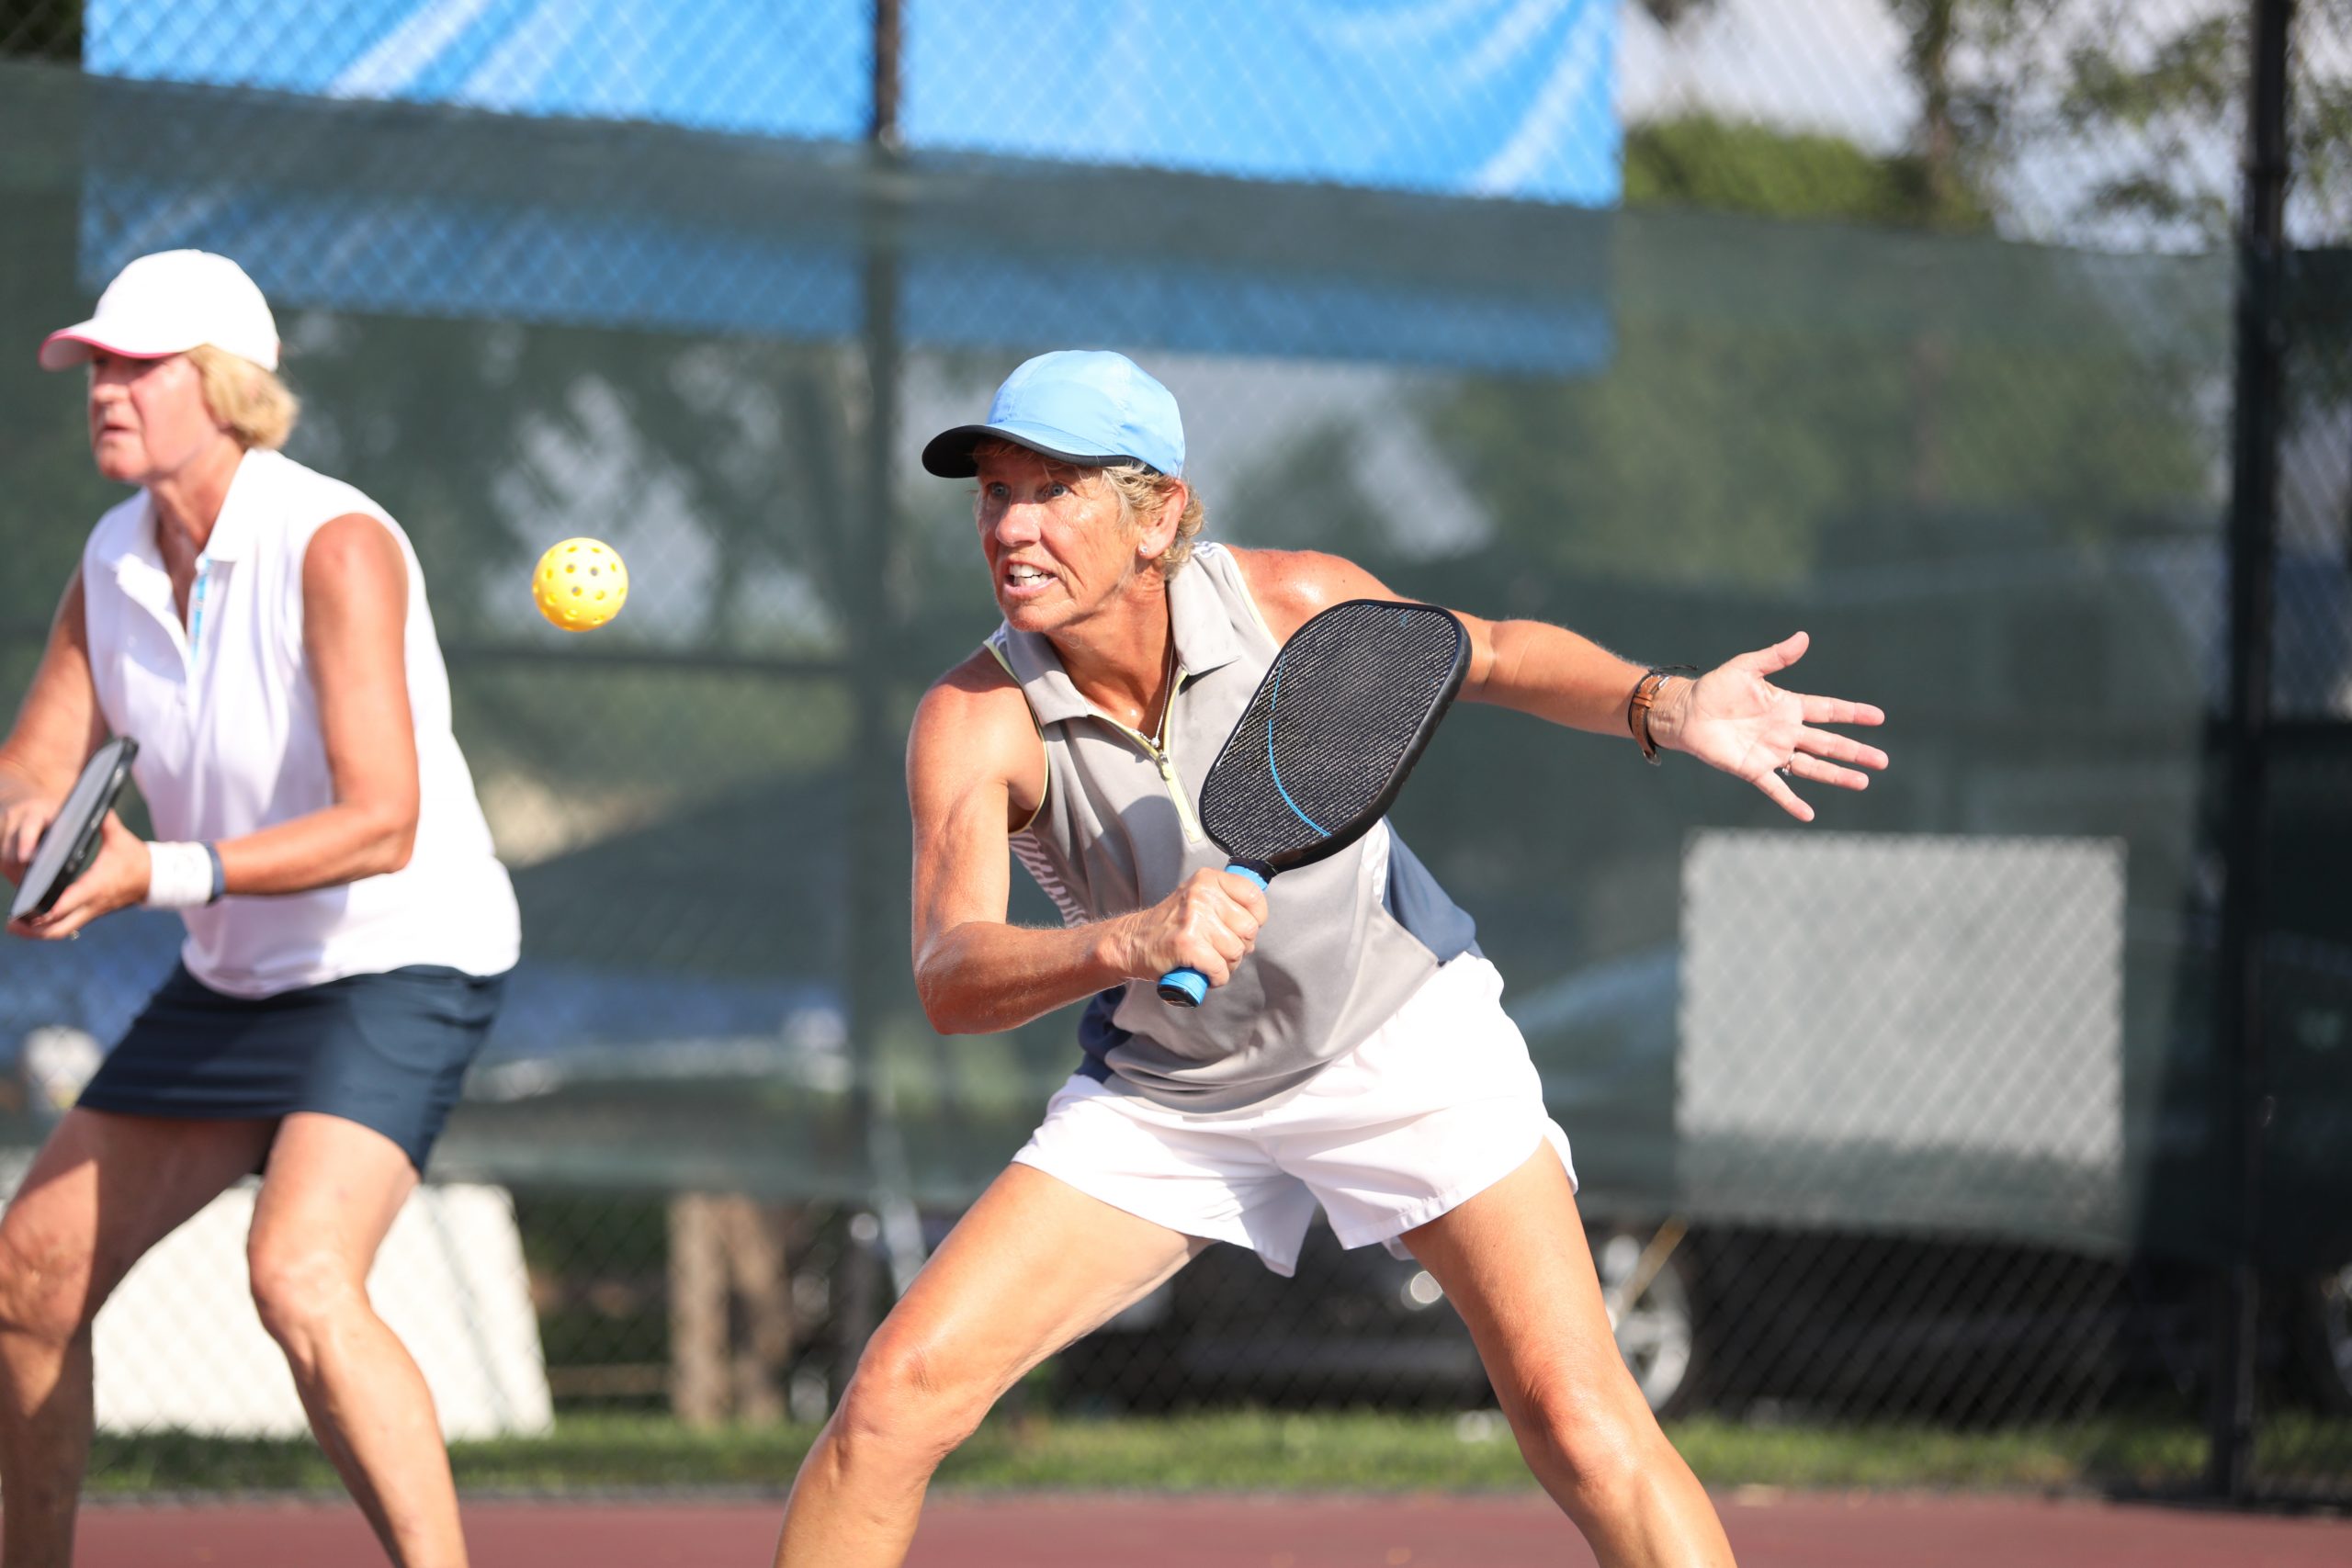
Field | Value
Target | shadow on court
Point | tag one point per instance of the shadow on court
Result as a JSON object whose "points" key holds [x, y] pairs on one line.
{"points": [[1794, 1531]]}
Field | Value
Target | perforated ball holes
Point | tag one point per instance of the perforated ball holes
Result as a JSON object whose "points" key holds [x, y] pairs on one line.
{"points": [[580, 585]]}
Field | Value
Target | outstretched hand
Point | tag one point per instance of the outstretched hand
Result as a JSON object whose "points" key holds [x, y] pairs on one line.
{"points": [[1733, 717]]}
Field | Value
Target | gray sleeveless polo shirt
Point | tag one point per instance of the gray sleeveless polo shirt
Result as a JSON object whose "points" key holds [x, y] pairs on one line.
{"points": [[1348, 940]]}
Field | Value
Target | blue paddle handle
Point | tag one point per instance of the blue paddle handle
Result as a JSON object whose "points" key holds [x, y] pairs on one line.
{"points": [[1188, 988]]}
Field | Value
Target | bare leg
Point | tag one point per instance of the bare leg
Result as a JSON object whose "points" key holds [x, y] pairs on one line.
{"points": [[1033, 1265], [332, 1191], [103, 1190], [1513, 1260]]}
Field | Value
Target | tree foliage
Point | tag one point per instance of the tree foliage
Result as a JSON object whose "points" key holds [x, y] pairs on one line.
{"points": [[1701, 161], [1778, 389], [2142, 106]]}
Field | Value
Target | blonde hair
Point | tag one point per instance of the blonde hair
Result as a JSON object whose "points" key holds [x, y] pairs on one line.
{"points": [[1141, 492], [251, 401]]}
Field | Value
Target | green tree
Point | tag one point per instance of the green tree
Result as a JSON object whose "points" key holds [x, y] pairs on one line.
{"points": [[1725, 165], [2150, 98], [2193, 82], [1773, 377]]}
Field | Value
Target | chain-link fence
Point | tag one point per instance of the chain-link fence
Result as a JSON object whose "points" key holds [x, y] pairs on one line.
{"points": [[1910, 323], [2299, 1222]]}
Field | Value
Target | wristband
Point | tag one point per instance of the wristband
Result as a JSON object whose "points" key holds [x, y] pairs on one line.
{"points": [[179, 877], [219, 872]]}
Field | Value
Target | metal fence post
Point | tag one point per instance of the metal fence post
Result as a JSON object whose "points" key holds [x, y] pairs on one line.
{"points": [[874, 887], [2244, 1103]]}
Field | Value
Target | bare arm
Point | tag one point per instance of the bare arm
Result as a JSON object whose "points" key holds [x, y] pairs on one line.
{"points": [[1732, 718], [1547, 670], [57, 728], [354, 622], [974, 771]]}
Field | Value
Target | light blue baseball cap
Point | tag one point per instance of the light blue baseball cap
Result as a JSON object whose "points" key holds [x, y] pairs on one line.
{"points": [[1080, 405]]}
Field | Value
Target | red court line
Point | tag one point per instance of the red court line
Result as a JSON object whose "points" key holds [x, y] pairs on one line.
{"points": [[1799, 1530]]}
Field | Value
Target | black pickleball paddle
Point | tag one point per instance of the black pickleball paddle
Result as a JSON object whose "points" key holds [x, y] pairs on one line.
{"points": [[1327, 741], [71, 841]]}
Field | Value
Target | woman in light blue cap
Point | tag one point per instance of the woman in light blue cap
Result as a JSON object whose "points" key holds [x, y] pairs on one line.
{"points": [[1360, 1062]]}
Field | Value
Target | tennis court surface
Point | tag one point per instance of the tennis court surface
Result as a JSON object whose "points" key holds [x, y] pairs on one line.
{"points": [[1767, 1532]]}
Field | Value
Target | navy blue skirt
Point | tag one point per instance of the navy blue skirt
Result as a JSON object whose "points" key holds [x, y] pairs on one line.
{"points": [[387, 1051]]}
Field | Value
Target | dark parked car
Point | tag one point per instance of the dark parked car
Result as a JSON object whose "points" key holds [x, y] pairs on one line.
{"points": [[1743, 1320]]}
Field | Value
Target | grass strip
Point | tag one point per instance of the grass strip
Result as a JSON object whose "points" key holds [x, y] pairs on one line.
{"points": [[1244, 1451]]}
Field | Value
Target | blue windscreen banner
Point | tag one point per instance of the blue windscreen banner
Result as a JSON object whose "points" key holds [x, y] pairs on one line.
{"points": [[583, 196], [1464, 97], [798, 68]]}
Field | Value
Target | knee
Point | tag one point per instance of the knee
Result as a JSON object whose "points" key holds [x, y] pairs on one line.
{"points": [[299, 1291], [906, 1406], [46, 1289], [1594, 1447]]}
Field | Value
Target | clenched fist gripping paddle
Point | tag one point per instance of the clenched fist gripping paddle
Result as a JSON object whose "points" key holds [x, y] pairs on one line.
{"points": [[71, 843], [1327, 741]]}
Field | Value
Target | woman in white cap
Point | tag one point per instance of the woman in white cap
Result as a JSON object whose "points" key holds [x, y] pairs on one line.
{"points": [[1353, 1056], [261, 630]]}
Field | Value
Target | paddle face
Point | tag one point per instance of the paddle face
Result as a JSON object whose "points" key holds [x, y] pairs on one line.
{"points": [[1333, 730], [71, 841]]}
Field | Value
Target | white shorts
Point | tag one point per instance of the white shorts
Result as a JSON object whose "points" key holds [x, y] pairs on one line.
{"points": [[1438, 1105]]}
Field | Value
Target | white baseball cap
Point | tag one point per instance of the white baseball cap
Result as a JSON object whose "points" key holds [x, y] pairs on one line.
{"points": [[169, 303]]}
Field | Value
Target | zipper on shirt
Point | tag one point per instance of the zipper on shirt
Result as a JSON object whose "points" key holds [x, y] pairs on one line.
{"points": [[195, 596], [1161, 760], [1192, 834]]}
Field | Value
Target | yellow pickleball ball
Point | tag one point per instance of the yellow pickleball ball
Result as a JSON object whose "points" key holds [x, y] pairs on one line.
{"points": [[580, 585]]}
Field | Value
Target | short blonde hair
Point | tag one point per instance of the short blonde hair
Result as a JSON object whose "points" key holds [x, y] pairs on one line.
{"points": [[251, 401], [1142, 491]]}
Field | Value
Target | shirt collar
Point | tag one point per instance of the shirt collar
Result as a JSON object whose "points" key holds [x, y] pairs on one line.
{"points": [[1205, 641], [231, 531], [139, 566]]}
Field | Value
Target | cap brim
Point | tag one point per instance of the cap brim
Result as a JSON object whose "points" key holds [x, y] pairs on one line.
{"points": [[69, 346], [949, 453]]}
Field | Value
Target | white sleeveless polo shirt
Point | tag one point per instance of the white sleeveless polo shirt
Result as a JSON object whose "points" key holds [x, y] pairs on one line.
{"points": [[227, 723]]}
